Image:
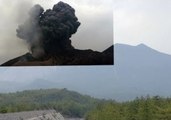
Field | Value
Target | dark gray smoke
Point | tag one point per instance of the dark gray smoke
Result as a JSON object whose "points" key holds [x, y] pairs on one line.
{"points": [[48, 33]]}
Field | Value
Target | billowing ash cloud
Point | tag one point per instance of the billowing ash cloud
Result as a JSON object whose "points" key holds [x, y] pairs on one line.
{"points": [[48, 33]]}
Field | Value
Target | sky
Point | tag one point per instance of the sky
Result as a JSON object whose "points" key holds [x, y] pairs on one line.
{"points": [[95, 31], [143, 21]]}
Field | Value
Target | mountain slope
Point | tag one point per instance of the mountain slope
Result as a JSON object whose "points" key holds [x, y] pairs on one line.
{"points": [[141, 70], [67, 57], [67, 102]]}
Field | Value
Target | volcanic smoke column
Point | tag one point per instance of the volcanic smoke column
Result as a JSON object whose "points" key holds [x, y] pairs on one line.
{"points": [[48, 33]]}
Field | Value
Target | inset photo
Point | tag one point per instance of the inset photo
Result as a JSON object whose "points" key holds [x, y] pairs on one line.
{"points": [[49, 34]]}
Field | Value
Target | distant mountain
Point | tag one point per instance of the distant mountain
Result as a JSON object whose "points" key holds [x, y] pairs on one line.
{"points": [[140, 55], [141, 70], [138, 70]]}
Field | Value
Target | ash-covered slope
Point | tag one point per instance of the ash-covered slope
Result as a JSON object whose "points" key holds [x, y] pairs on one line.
{"points": [[71, 57], [48, 36]]}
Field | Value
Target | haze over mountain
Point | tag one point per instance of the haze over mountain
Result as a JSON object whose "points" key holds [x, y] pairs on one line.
{"points": [[138, 70]]}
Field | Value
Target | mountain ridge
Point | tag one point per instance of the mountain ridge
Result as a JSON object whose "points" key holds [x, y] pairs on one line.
{"points": [[141, 45]]}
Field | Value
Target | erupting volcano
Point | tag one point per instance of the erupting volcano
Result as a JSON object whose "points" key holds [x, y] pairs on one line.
{"points": [[48, 36]]}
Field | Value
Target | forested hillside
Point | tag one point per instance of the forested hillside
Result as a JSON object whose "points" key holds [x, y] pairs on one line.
{"points": [[73, 104], [66, 102], [155, 108]]}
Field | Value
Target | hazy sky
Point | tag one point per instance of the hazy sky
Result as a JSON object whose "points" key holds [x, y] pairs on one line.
{"points": [[95, 32], [143, 21]]}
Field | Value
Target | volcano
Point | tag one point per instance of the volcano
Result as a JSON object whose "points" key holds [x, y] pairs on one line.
{"points": [[48, 34], [72, 57]]}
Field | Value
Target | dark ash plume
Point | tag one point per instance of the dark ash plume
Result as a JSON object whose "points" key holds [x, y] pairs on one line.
{"points": [[48, 33]]}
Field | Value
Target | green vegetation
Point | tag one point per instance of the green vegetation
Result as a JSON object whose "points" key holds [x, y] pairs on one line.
{"points": [[68, 103], [73, 104], [148, 108]]}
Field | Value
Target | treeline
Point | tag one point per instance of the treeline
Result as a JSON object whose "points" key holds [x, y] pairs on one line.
{"points": [[67, 102], [144, 108]]}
